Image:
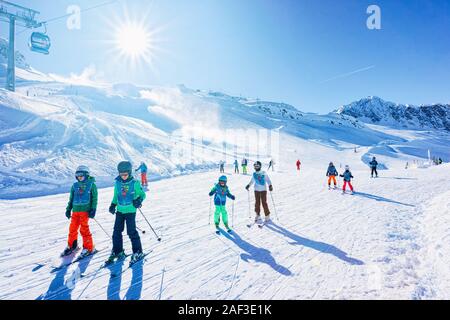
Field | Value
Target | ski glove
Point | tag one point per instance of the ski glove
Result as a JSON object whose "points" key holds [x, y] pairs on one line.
{"points": [[247, 187], [92, 213], [270, 188], [68, 214], [233, 198], [112, 208], [137, 203]]}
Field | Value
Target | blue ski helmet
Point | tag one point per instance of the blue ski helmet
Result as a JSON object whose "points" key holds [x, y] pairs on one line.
{"points": [[125, 167], [223, 179]]}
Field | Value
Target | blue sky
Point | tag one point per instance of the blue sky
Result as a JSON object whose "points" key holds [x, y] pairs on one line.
{"points": [[291, 51]]}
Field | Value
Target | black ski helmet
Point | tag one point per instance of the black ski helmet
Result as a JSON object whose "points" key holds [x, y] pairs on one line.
{"points": [[125, 167], [257, 165]]}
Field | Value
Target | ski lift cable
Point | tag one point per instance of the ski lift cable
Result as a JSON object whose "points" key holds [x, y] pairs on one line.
{"points": [[69, 14]]}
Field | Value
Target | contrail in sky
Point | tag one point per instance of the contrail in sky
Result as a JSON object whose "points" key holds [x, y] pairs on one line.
{"points": [[349, 74]]}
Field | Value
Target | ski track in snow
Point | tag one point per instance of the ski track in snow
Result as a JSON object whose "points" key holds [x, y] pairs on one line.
{"points": [[389, 240]]}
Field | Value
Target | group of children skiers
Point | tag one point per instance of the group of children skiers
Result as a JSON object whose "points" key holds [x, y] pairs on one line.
{"points": [[127, 199], [129, 196]]}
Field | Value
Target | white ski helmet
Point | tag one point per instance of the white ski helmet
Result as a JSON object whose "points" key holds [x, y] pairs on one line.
{"points": [[82, 169]]}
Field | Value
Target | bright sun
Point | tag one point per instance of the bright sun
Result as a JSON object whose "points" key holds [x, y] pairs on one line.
{"points": [[133, 41]]}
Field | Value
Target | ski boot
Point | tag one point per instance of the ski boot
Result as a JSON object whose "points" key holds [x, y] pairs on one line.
{"points": [[217, 230], [115, 257], [258, 219], [86, 253], [228, 229], [136, 257], [69, 250]]}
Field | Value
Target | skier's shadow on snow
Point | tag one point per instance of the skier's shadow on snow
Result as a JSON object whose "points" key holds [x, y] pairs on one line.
{"points": [[59, 288], [135, 289], [316, 245], [115, 282], [382, 199], [256, 254]]}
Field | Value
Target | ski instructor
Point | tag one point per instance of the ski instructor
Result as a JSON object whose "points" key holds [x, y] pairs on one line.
{"points": [[261, 180]]}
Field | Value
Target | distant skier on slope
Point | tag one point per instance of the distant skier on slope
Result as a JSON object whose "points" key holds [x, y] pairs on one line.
{"points": [[82, 205], [373, 166], [244, 166], [271, 165], [298, 164], [143, 168], [236, 166], [347, 175], [220, 192], [222, 166], [260, 179], [332, 174], [128, 196]]}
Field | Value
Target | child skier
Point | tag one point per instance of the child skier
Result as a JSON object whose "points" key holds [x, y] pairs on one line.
{"points": [[143, 168], [373, 165], [347, 175], [244, 166], [220, 192], [332, 174], [128, 196], [260, 179], [82, 205], [236, 166]]}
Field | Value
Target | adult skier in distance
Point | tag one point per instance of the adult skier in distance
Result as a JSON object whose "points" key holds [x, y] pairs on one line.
{"points": [[347, 175], [271, 165], [222, 166], [373, 166], [236, 166], [82, 205], [143, 169], [128, 197], [299, 163], [261, 180], [332, 174], [220, 192]]}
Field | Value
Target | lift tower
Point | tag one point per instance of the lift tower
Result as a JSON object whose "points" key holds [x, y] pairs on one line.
{"points": [[16, 15]]}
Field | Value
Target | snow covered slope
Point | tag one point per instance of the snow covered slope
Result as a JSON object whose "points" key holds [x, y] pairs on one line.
{"points": [[389, 241]]}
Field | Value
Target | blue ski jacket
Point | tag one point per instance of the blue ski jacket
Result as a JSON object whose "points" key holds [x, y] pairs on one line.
{"points": [[347, 176], [143, 168], [373, 164], [220, 195], [332, 171]]}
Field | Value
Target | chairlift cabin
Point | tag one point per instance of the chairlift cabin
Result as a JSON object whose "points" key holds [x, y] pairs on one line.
{"points": [[40, 43]]}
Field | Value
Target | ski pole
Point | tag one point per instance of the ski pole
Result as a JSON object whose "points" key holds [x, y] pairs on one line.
{"points": [[274, 206], [102, 228], [232, 215], [249, 209], [159, 239], [143, 231], [209, 217]]}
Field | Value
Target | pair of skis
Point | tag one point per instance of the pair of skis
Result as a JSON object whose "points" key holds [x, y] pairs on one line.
{"points": [[130, 265], [80, 258]]}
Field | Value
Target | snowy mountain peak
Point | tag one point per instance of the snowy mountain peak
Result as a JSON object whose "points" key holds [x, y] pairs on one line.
{"points": [[20, 58], [378, 111]]}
